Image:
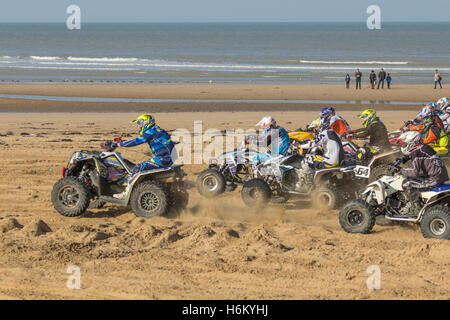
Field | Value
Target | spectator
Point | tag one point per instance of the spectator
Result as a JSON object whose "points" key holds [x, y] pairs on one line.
{"points": [[388, 80], [381, 77], [437, 79], [347, 81], [373, 79], [358, 76]]}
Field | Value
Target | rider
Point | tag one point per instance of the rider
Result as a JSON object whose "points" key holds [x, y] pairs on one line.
{"points": [[160, 144], [333, 152], [373, 129], [443, 104], [429, 110], [333, 121], [274, 136], [424, 161]]}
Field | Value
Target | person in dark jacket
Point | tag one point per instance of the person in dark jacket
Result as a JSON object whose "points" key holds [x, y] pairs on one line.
{"points": [[428, 169], [373, 129], [381, 78], [347, 81], [373, 79], [358, 76]]}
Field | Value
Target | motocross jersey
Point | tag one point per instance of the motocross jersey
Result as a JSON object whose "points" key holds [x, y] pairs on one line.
{"points": [[377, 134], [333, 152], [277, 138], [445, 117], [158, 140], [339, 125], [426, 162]]}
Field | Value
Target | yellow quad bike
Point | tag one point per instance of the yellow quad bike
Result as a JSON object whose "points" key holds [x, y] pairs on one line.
{"points": [[298, 138]]}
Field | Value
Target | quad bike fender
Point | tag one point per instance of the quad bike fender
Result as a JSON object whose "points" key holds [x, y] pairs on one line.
{"points": [[375, 191], [440, 198], [325, 174], [382, 157]]}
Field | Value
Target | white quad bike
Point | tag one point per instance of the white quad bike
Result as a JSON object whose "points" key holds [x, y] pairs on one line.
{"points": [[387, 197], [91, 178], [226, 172], [282, 178]]}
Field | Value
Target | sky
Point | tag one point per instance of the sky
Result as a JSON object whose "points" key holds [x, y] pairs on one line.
{"points": [[223, 10]]}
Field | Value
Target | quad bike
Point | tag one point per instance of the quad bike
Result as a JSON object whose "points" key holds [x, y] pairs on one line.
{"points": [[226, 172], [94, 177], [282, 178], [233, 168], [387, 197], [371, 162]]}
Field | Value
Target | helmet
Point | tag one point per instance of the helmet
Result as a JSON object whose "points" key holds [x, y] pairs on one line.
{"points": [[267, 122], [145, 121], [427, 111], [443, 103], [412, 140], [315, 124], [327, 112], [368, 116]]}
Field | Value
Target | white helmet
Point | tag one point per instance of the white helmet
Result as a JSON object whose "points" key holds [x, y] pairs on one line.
{"points": [[443, 103], [412, 139], [266, 122]]}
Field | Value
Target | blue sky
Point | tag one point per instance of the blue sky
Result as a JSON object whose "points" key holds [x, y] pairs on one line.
{"points": [[223, 10]]}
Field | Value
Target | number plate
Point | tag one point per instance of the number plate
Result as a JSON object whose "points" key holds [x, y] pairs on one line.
{"points": [[362, 171]]}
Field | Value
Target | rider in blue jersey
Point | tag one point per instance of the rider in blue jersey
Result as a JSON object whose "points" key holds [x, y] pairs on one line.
{"points": [[160, 144]]}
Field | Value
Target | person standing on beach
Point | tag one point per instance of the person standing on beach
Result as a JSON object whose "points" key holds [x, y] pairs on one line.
{"points": [[373, 79], [358, 76], [381, 77], [347, 81], [437, 78], [388, 80]]}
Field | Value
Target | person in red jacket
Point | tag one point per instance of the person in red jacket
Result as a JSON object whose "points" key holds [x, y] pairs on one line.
{"points": [[333, 121]]}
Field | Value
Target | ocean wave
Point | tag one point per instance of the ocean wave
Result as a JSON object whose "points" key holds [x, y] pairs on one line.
{"points": [[353, 62], [44, 58], [105, 59]]}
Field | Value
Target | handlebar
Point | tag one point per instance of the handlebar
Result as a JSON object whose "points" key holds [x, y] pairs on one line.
{"points": [[108, 145]]}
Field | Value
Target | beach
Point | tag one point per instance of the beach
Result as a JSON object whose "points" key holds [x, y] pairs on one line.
{"points": [[216, 249]]}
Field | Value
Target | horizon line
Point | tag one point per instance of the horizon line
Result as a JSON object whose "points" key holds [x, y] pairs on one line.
{"points": [[362, 21]]}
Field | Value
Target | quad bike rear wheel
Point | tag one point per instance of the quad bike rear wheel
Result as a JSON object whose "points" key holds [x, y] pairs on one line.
{"points": [[325, 198], [149, 199], [436, 223], [70, 197], [210, 183], [356, 216], [255, 193]]}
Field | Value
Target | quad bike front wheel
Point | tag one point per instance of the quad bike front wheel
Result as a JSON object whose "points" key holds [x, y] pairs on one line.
{"points": [[325, 198], [436, 223], [149, 199], [255, 193], [70, 197], [356, 216], [211, 183]]}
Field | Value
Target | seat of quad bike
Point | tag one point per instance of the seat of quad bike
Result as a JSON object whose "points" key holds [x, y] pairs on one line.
{"points": [[129, 165], [442, 187]]}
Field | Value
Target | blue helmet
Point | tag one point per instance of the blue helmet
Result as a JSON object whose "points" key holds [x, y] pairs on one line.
{"points": [[327, 112]]}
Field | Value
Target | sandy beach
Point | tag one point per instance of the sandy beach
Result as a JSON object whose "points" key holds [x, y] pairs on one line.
{"points": [[216, 249]]}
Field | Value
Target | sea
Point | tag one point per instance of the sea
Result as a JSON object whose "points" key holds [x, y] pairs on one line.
{"points": [[306, 53]]}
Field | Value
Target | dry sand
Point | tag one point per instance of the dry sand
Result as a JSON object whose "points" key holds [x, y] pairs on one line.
{"points": [[216, 250]]}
